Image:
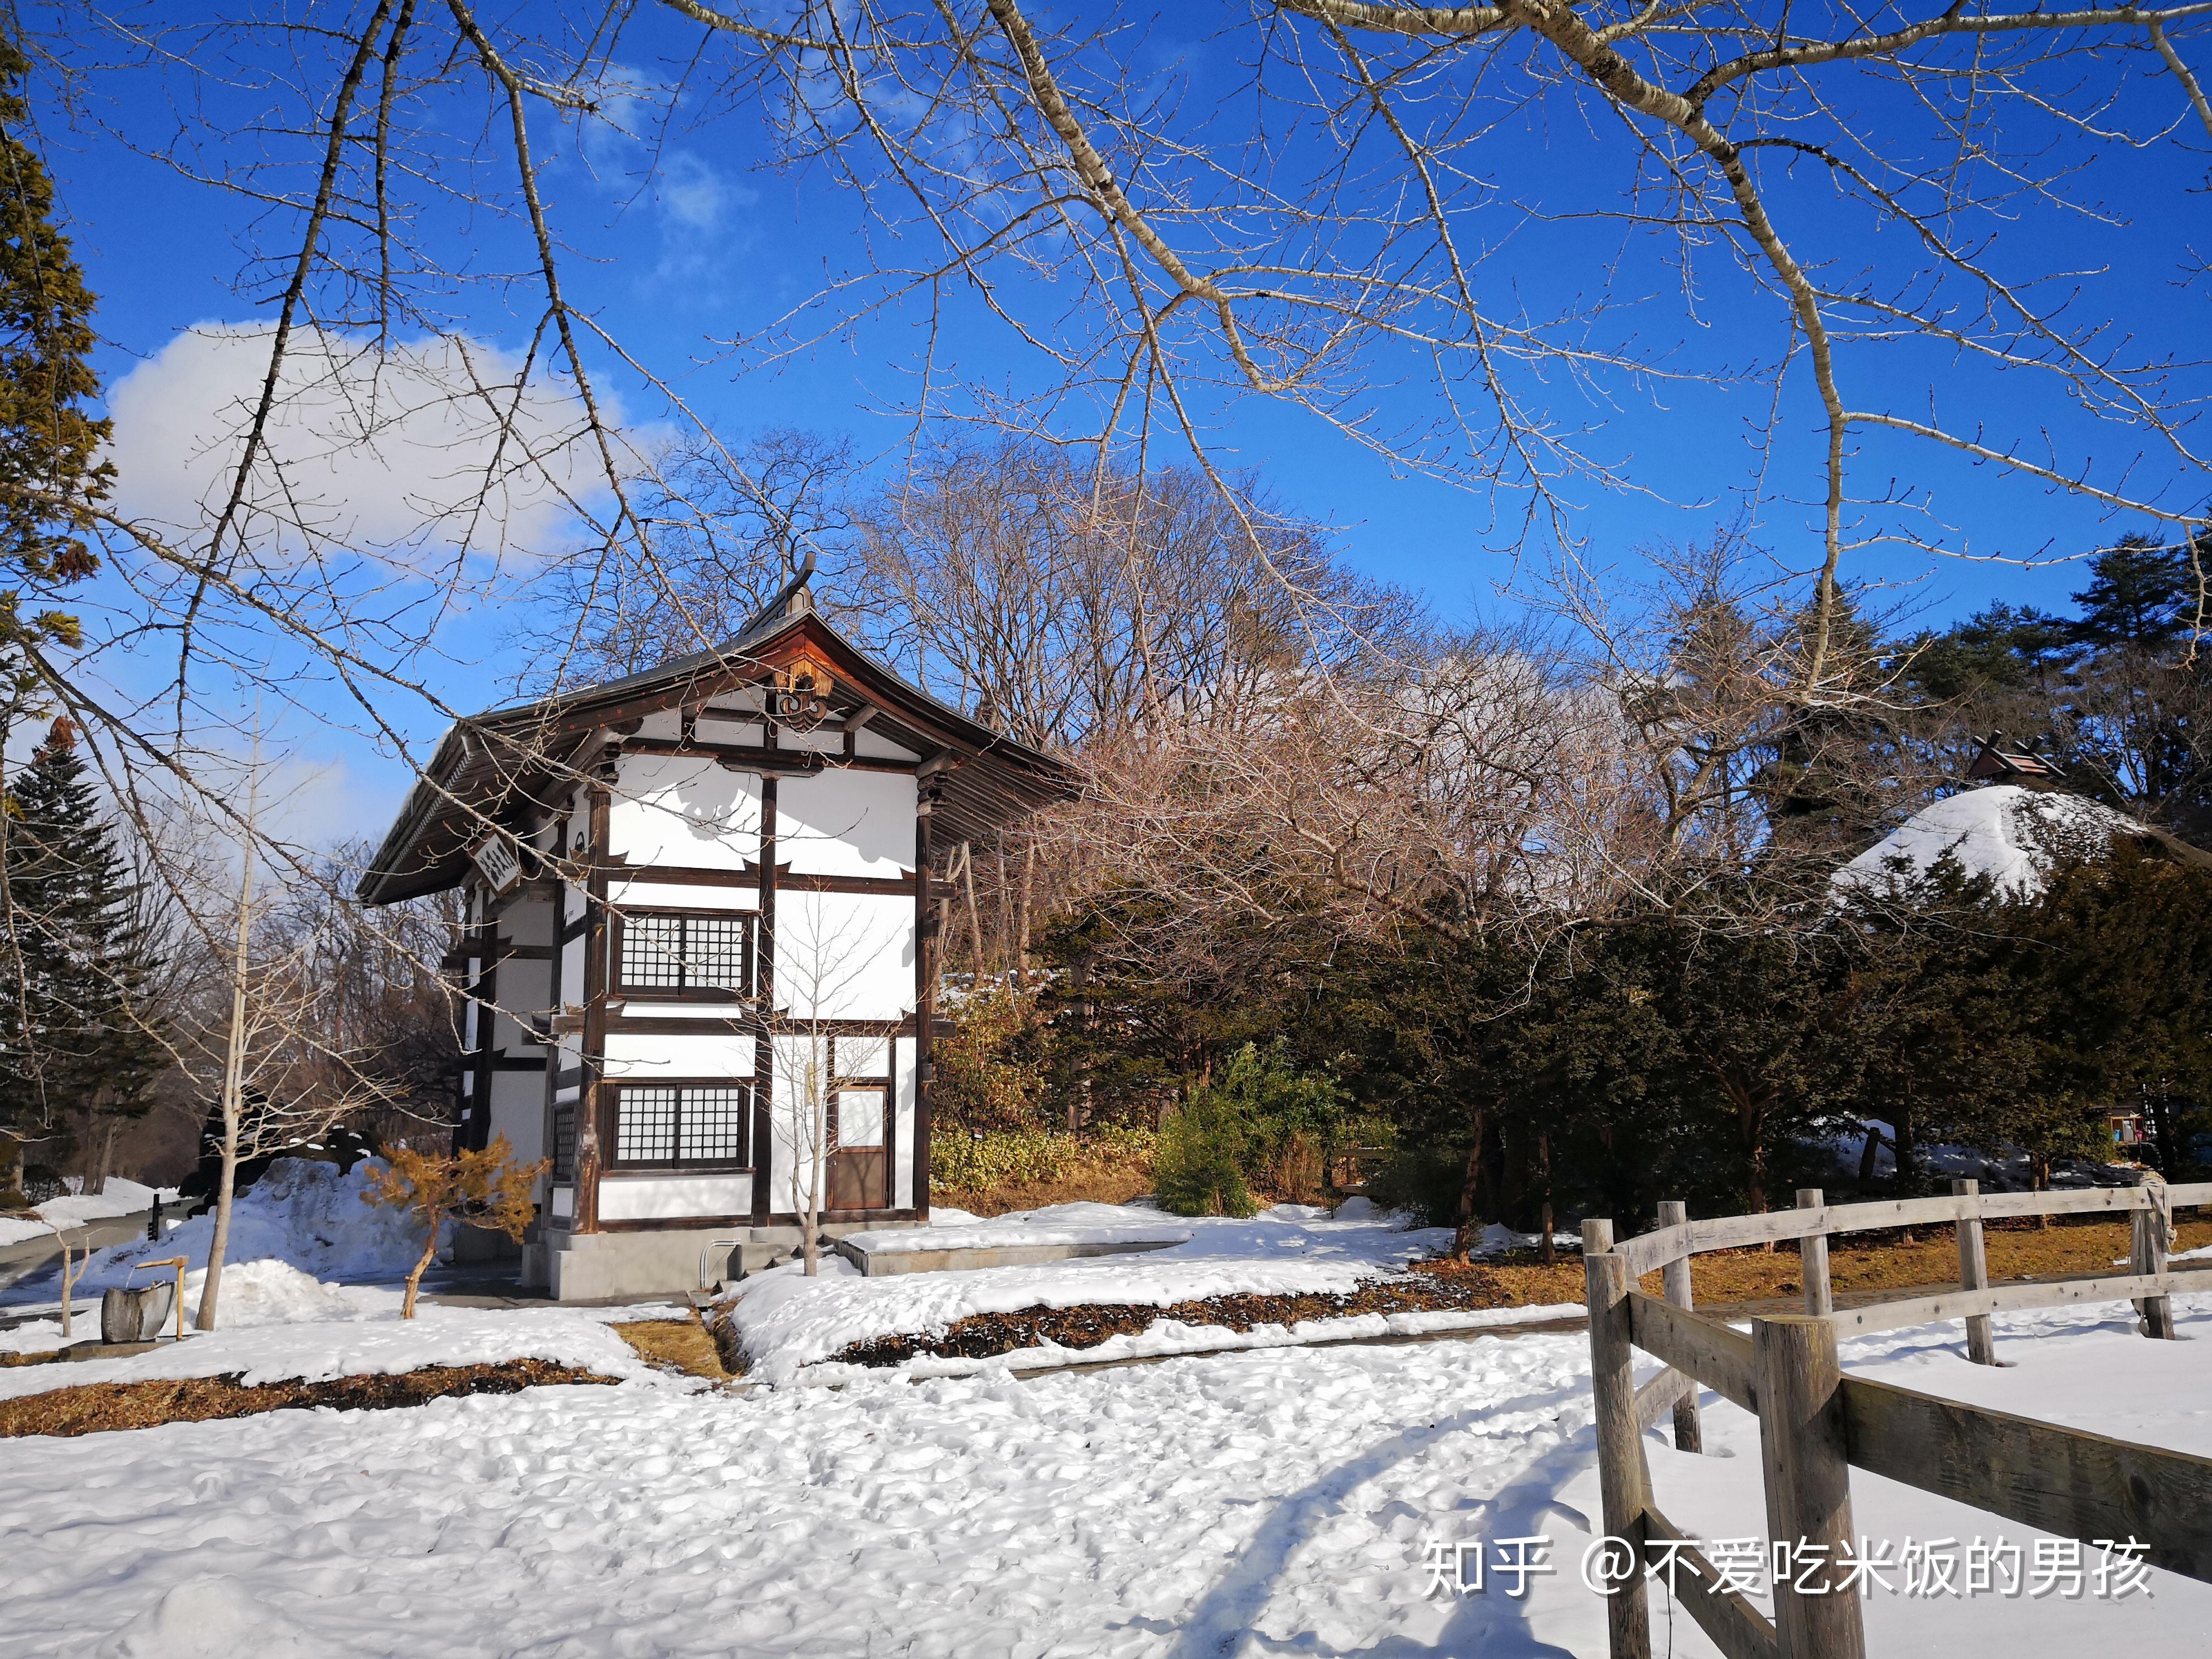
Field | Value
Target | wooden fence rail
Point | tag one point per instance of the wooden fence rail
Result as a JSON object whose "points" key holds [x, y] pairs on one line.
{"points": [[1814, 1422]]}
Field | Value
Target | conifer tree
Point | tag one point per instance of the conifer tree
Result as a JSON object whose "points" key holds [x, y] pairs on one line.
{"points": [[74, 1056], [50, 473], [50, 478]]}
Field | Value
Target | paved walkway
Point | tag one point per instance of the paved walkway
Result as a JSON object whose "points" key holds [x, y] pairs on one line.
{"points": [[23, 1262]]}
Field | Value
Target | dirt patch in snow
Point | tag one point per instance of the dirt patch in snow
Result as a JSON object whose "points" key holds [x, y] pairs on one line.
{"points": [[982, 1336], [92, 1408], [682, 1345]]}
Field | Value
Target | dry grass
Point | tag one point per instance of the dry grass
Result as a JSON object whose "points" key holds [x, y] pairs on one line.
{"points": [[1095, 1175], [675, 1344], [95, 1407], [1865, 1263], [1099, 1184]]}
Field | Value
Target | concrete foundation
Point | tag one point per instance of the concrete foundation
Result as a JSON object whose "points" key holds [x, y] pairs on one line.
{"points": [[880, 1264], [660, 1261]]}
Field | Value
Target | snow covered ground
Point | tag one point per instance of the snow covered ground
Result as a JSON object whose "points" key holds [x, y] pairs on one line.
{"points": [[1278, 1501], [788, 1322], [117, 1197]]}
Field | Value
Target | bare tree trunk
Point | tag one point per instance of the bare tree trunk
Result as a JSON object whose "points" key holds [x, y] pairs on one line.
{"points": [[817, 1109], [106, 1164], [1869, 1155], [1543, 1173], [422, 1265], [1463, 1220], [1022, 912], [974, 915], [234, 1065], [1005, 943]]}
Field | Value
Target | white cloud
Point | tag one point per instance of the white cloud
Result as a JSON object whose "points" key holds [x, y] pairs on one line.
{"points": [[694, 194], [371, 449]]}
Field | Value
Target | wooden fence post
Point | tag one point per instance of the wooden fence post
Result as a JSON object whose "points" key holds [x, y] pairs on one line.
{"points": [[1620, 1447], [1974, 1275], [1813, 1265], [1808, 1487], [2148, 1256], [1689, 1434]]}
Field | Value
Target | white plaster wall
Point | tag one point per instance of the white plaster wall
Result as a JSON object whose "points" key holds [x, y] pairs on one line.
{"points": [[825, 740], [902, 1098], [638, 1057], [676, 895], [864, 1057], [844, 955], [525, 987], [518, 1111], [571, 988], [868, 743], [664, 726], [676, 1010], [684, 809], [564, 1202], [655, 1197], [843, 822], [527, 921], [748, 735]]}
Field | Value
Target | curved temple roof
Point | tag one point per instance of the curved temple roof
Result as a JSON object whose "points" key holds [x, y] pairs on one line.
{"points": [[492, 769]]}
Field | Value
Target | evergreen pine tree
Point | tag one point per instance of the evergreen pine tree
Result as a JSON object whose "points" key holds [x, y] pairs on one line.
{"points": [[49, 478], [74, 1059], [2139, 594]]}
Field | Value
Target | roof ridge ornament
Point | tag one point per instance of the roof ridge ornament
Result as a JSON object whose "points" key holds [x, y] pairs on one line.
{"points": [[793, 599]]}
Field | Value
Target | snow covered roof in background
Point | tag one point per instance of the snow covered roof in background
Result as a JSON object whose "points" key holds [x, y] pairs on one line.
{"points": [[2012, 834]]}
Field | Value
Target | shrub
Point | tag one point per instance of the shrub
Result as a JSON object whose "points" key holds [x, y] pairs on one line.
{"points": [[1200, 1170], [972, 1166], [1261, 1122], [987, 1075]]}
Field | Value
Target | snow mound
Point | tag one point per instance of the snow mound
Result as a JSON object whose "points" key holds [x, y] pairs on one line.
{"points": [[1057, 1224], [120, 1197], [209, 1618], [2014, 836], [300, 1215]]}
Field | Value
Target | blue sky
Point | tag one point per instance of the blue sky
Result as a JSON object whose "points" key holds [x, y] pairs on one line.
{"points": [[677, 249]]}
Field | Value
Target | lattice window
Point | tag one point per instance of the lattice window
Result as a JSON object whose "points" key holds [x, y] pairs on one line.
{"points": [[644, 1127], [711, 1128], [695, 1126], [687, 953], [564, 1139]]}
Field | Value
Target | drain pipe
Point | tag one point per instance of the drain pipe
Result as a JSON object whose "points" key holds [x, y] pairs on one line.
{"points": [[706, 1286]]}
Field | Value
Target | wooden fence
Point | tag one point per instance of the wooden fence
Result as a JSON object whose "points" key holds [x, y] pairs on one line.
{"points": [[1814, 1422]]}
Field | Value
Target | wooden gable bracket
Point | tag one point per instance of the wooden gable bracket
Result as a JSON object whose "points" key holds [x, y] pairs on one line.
{"points": [[861, 716]]}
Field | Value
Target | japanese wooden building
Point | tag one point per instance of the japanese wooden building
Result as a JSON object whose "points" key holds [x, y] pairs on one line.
{"points": [[697, 944]]}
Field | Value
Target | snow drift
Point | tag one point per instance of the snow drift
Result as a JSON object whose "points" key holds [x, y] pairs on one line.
{"points": [[301, 1216]]}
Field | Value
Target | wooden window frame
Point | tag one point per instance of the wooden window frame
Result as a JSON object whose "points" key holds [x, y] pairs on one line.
{"points": [[749, 1086], [564, 1157], [623, 991]]}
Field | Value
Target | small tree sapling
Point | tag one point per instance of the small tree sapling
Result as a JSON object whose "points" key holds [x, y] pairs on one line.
{"points": [[484, 1189], [69, 1277]]}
